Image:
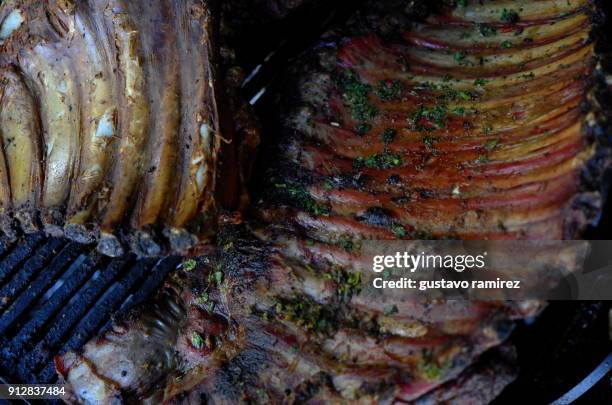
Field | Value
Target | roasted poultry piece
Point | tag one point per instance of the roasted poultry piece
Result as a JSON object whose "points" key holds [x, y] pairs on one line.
{"points": [[476, 122], [119, 123]]}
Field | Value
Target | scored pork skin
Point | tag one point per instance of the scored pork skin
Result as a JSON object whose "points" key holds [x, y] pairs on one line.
{"points": [[119, 107], [281, 320]]}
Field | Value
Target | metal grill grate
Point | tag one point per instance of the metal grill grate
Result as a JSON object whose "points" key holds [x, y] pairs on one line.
{"points": [[55, 295]]}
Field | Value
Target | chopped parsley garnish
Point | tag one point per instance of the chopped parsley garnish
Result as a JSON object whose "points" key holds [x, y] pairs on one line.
{"points": [[216, 276], [510, 16], [459, 110], [486, 30], [202, 299], [482, 159], [385, 160], [356, 98], [432, 371], [189, 264], [347, 284], [389, 90], [306, 314], [459, 56], [434, 116], [398, 230], [490, 145], [303, 200], [363, 128], [197, 341], [389, 135], [448, 93]]}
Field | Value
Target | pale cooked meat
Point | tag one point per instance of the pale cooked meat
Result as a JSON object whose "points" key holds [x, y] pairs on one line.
{"points": [[112, 123]]}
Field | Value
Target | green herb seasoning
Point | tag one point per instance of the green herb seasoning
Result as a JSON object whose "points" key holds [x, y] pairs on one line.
{"points": [[202, 299], [431, 371], [487, 129], [434, 115], [482, 159], [389, 90], [398, 230], [389, 135], [347, 284], [356, 98], [385, 160], [486, 30], [303, 200], [189, 264], [459, 111], [459, 56], [510, 16], [363, 128], [306, 314], [447, 93], [491, 144], [216, 276], [197, 341]]}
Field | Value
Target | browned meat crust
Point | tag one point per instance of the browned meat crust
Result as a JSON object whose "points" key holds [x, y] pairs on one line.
{"points": [[464, 127], [260, 335]]}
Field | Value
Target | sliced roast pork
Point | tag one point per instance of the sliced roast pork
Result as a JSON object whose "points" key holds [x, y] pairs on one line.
{"points": [[477, 122], [116, 119]]}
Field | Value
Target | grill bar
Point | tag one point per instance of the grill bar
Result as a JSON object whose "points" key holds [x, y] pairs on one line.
{"points": [[69, 315], [21, 280], [10, 263], [74, 278], [41, 284]]}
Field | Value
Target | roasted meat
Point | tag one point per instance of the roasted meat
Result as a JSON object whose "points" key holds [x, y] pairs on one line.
{"points": [[119, 123], [248, 325], [476, 122], [465, 126]]}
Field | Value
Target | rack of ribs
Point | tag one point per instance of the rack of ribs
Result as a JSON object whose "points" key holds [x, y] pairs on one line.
{"points": [[120, 124]]}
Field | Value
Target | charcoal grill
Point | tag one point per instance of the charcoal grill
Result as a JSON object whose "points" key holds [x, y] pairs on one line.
{"points": [[55, 295]]}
